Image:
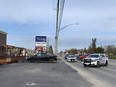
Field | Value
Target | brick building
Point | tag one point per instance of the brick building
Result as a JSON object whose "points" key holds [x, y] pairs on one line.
{"points": [[3, 39]]}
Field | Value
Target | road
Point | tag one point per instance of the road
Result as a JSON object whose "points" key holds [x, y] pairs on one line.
{"points": [[104, 76], [41, 75]]}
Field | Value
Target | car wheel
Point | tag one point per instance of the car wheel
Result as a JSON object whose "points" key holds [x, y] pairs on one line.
{"points": [[106, 64], [98, 64], [85, 65], [51, 60]]}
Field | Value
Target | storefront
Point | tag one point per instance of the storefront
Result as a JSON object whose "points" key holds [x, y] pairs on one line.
{"points": [[9, 53]]}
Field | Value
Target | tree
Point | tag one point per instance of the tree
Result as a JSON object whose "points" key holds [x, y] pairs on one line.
{"points": [[71, 51], [85, 50], [99, 50], [50, 49], [92, 47]]}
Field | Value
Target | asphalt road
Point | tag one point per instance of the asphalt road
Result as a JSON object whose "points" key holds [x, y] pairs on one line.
{"points": [[41, 75], [104, 76]]}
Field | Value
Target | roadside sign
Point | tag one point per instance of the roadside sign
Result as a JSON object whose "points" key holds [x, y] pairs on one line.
{"points": [[40, 43], [40, 39]]}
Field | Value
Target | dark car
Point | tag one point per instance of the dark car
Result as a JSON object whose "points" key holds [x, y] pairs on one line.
{"points": [[42, 57]]}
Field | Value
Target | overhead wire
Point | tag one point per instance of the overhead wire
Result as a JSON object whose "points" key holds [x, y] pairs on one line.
{"points": [[61, 8]]}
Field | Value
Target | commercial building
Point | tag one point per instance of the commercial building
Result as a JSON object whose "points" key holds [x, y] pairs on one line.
{"points": [[3, 39], [9, 53]]}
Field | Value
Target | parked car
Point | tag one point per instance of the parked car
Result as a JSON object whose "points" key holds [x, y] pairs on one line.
{"points": [[42, 57], [96, 60], [71, 58]]}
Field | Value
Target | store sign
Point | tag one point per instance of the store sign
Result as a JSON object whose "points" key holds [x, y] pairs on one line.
{"points": [[40, 44], [40, 39]]}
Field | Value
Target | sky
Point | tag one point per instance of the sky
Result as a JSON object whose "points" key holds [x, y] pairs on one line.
{"points": [[25, 19]]}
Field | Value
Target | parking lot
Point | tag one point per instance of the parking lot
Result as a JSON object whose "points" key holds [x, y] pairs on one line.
{"points": [[40, 75]]}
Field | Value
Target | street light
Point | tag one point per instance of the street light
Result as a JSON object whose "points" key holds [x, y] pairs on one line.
{"points": [[67, 26], [57, 34]]}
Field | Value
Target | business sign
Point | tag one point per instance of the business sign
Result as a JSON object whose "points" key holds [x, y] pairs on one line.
{"points": [[40, 39], [40, 44], [40, 48]]}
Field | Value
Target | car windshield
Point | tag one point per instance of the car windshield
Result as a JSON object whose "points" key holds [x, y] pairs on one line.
{"points": [[94, 56], [40, 54], [71, 56]]}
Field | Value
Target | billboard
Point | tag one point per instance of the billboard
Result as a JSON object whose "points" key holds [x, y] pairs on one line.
{"points": [[40, 39], [40, 48], [41, 43]]}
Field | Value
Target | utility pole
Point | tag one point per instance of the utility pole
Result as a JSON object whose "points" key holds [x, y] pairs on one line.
{"points": [[57, 29]]}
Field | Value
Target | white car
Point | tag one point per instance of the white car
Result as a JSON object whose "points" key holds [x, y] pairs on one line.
{"points": [[71, 58], [96, 60]]}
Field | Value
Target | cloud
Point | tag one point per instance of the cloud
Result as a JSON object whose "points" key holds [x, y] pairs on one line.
{"points": [[21, 41], [25, 10], [81, 43]]}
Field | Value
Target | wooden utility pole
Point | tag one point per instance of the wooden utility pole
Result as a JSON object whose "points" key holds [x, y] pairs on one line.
{"points": [[57, 29]]}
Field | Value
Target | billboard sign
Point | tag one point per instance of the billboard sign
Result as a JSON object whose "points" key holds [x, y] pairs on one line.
{"points": [[40, 43], [40, 39]]}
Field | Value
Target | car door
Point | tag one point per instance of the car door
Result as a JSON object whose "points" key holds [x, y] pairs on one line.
{"points": [[102, 59], [44, 57], [39, 57]]}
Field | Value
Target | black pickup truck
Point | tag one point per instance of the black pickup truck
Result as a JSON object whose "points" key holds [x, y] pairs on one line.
{"points": [[42, 57]]}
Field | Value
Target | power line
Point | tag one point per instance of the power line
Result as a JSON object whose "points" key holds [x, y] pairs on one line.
{"points": [[61, 8]]}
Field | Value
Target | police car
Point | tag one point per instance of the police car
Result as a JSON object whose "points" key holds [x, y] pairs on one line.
{"points": [[96, 60]]}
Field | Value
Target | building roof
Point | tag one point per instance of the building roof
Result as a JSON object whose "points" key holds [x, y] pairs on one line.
{"points": [[11, 46], [2, 32]]}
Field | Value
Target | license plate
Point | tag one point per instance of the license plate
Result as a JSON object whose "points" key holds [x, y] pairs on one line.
{"points": [[87, 63]]}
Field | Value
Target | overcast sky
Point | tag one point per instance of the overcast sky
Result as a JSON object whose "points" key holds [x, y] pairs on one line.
{"points": [[25, 19]]}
